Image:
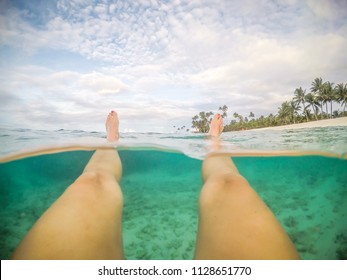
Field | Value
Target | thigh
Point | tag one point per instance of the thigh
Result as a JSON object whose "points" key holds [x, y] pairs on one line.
{"points": [[84, 223], [234, 223]]}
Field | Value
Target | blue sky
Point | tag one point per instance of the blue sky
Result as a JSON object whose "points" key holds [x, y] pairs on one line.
{"points": [[66, 63]]}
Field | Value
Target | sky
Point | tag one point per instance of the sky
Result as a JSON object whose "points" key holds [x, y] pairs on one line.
{"points": [[64, 64]]}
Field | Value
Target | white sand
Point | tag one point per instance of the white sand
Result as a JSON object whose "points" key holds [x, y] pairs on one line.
{"points": [[321, 123]]}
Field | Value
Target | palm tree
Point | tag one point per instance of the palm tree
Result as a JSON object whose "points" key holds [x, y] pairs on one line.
{"points": [[201, 121], [329, 96], [341, 95], [224, 109], [294, 107], [300, 98], [261, 121], [317, 89], [310, 99], [238, 116], [285, 112], [271, 120], [323, 99]]}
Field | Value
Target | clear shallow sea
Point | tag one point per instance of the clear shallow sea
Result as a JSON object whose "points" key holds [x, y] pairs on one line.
{"points": [[161, 184]]}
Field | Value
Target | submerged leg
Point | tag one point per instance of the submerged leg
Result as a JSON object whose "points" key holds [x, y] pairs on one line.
{"points": [[234, 222], [85, 221]]}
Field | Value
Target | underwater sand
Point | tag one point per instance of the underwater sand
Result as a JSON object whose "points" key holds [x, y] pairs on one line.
{"points": [[307, 194]]}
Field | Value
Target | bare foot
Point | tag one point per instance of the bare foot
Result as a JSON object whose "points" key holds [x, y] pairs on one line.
{"points": [[216, 126], [112, 127]]}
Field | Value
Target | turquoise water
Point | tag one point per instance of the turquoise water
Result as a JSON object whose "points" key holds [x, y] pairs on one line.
{"points": [[307, 194]]}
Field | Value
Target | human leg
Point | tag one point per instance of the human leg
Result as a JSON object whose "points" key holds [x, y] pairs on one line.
{"points": [[234, 222], [85, 221]]}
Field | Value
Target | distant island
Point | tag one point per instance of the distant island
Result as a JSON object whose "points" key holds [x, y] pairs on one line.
{"points": [[304, 107]]}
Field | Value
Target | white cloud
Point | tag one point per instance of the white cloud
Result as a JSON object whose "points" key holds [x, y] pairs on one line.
{"points": [[173, 59], [101, 84], [328, 10]]}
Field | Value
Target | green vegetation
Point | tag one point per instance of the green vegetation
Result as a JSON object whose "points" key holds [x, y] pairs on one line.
{"points": [[304, 107], [201, 121]]}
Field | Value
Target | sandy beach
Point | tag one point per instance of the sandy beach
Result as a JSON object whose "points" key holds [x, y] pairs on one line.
{"points": [[321, 123]]}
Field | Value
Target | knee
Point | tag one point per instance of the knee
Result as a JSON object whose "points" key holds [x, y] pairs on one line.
{"points": [[92, 178], [227, 180], [98, 183], [223, 186], [96, 177]]}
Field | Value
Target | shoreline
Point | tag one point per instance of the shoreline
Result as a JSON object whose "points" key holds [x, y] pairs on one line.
{"points": [[320, 123]]}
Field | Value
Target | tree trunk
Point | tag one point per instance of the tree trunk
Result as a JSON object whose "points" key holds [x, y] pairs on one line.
{"points": [[303, 105], [314, 112]]}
